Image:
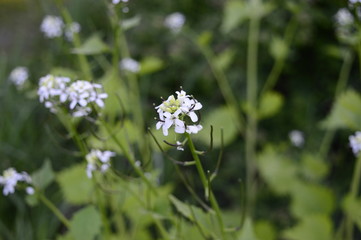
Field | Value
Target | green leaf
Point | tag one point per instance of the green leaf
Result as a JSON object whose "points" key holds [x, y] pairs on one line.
{"points": [[150, 65], [247, 232], [205, 38], [44, 176], [64, 72], [271, 103], [93, 45], [85, 224], [130, 22], [311, 227], [182, 208], [265, 230], [76, 187], [277, 170], [278, 48], [220, 118], [352, 208], [65, 236], [224, 59], [235, 12], [313, 167], [310, 199], [346, 113]]}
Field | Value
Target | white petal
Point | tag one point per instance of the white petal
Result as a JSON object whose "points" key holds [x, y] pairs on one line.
{"points": [[193, 116], [159, 125]]}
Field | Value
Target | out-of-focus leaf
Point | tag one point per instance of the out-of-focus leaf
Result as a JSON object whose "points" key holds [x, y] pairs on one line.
{"points": [[205, 38], [346, 113], [220, 118], [278, 48], [85, 224], [93, 45], [225, 58], [271, 103], [277, 170], [311, 227], [131, 22], [235, 12], [352, 208], [265, 230], [75, 185], [44, 176], [150, 65], [66, 236], [313, 167], [310, 199], [64, 72], [247, 232]]}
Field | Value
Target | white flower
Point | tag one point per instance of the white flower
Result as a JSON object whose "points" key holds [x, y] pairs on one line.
{"points": [[174, 112], [98, 160], [81, 93], [130, 65], [18, 76], [354, 1], [118, 1], [296, 138], [71, 29], [179, 146], [10, 178], [344, 17], [81, 111], [355, 142], [175, 21], [53, 90], [30, 190], [52, 26]]}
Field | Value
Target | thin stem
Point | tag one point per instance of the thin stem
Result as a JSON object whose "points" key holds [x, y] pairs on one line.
{"points": [[83, 62], [54, 209], [251, 130], [205, 183], [355, 185]]}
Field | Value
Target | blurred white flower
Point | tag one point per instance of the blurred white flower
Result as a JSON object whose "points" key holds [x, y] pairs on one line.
{"points": [[354, 1], [343, 17], [118, 1], [10, 178], [130, 65], [30, 190], [52, 26], [82, 93], [297, 138], [81, 111], [98, 160], [355, 142], [174, 112], [175, 21], [53, 90], [18, 76], [71, 29]]}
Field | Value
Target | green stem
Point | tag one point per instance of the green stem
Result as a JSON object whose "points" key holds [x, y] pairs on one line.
{"points": [[83, 62], [341, 84], [251, 130], [205, 183], [355, 185], [54, 209]]}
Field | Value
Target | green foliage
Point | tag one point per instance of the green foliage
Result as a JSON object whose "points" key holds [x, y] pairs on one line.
{"points": [[270, 104], [313, 167], [75, 186], [247, 232], [278, 48], [352, 208], [92, 46], [150, 65], [312, 227], [220, 118], [265, 230], [346, 112], [85, 224], [235, 12], [44, 176]]}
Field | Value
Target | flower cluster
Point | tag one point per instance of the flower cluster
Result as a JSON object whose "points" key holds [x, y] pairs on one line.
{"points": [[176, 111], [18, 76], [297, 138], [53, 27], [175, 21], [355, 142], [80, 94], [130, 65], [98, 160], [346, 29], [10, 179]]}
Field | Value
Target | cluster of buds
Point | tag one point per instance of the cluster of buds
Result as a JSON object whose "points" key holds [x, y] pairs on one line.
{"points": [[10, 179], [80, 95], [53, 27], [98, 160], [176, 111]]}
